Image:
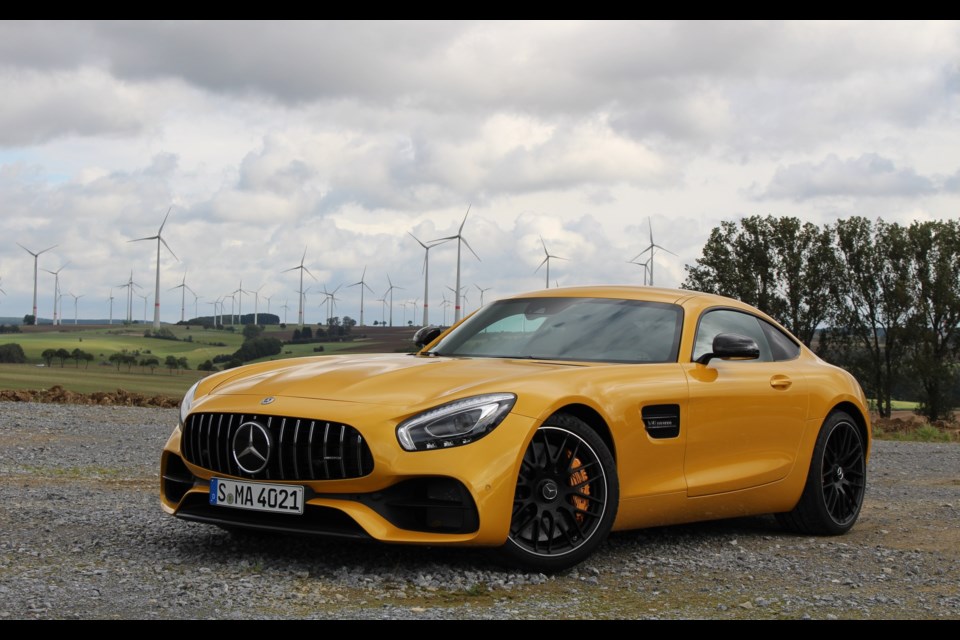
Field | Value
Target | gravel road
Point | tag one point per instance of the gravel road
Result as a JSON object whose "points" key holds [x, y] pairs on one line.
{"points": [[82, 536]]}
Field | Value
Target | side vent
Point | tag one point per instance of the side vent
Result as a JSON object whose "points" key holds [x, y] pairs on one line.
{"points": [[662, 420]]}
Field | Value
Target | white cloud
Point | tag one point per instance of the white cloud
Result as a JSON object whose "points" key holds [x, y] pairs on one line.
{"points": [[869, 175]]}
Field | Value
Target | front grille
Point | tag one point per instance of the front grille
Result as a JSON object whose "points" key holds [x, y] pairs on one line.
{"points": [[302, 448]]}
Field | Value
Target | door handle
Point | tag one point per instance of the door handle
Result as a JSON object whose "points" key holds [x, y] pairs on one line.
{"points": [[780, 382]]}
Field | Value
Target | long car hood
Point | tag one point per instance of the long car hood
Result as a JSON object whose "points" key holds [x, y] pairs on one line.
{"points": [[383, 379]]}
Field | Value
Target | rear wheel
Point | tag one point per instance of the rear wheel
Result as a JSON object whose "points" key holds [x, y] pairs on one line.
{"points": [[566, 497], [836, 481]]}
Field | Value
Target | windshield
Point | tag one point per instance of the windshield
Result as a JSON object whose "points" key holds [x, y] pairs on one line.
{"points": [[590, 329]]}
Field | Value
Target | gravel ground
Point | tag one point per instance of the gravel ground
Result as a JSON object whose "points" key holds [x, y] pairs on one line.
{"points": [[82, 536]]}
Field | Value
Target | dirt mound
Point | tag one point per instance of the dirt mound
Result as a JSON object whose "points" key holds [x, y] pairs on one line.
{"points": [[60, 395]]}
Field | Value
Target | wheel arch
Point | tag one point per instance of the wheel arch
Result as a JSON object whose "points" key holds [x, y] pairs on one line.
{"points": [[859, 418], [594, 420]]}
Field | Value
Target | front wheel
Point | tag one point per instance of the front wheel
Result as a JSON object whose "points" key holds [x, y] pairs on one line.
{"points": [[566, 497], [836, 481]]}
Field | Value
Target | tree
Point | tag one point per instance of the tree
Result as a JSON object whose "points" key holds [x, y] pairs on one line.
{"points": [[48, 355], [117, 359], [29, 319], [12, 353], [778, 265], [932, 361], [306, 333], [62, 355], [252, 331], [171, 363], [183, 363], [258, 348], [151, 361], [805, 266], [873, 301]]}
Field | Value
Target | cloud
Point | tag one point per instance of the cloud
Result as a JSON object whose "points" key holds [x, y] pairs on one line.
{"points": [[869, 175], [39, 107]]}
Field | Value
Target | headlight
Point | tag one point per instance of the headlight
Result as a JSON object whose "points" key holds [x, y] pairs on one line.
{"points": [[187, 402], [456, 423]]}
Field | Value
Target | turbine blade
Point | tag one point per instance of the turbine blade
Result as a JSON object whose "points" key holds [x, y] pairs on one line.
{"points": [[418, 240], [168, 248], [164, 220], [464, 240]]}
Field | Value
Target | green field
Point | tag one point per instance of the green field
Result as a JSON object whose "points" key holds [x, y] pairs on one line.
{"points": [[195, 344], [96, 378]]}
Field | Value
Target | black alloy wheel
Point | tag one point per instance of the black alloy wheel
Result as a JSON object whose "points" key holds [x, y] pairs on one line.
{"points": [[566, 496], [836, 481]]}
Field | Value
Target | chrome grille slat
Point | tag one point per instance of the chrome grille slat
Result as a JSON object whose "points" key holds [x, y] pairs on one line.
{"points": [[343, 468], [283, 426], [296, 450], [304, 449], [323, 452]]}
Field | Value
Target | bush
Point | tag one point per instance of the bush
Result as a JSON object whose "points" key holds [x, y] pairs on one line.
{"points": [[12, 353], [258, 348]]}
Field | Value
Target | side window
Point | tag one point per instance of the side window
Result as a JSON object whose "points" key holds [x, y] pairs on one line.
{"points": [[781, 346], [729, 321]]}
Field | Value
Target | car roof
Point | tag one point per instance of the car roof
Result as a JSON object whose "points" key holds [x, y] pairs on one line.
{"points": [[636, 292]]}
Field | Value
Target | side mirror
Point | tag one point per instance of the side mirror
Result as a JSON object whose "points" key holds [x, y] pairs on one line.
{"points": [[731, 345], [426, 335]]}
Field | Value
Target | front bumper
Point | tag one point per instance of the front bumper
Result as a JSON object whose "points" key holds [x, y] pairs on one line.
{"points": [[461, 495]]}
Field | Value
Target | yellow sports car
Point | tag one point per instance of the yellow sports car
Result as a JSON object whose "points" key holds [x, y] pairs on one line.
{"points": [[535, 426]]}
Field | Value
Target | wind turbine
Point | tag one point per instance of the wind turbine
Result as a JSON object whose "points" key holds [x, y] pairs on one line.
{"points": [[481, 292], [646, 268], [144, 306], [129, 285], [330, 297], [285, 307], [463, 295], [111, 305], [56, 293], [196, 313], [256, 304], [390, 291], [240, 290], [546, 261], [651, 248], [183, 294], [214, 312], [35, 256], [159, 239], [75, 298], [444, 304], [460, 241], [362, 284], [383, 311], [301, 292], [426, 273]]}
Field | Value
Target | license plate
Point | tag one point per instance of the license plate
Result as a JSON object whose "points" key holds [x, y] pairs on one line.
{"points": [[256, 496]]}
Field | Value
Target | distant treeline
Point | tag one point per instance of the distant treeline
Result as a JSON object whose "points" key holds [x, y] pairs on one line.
{"points": [[226, 319]]}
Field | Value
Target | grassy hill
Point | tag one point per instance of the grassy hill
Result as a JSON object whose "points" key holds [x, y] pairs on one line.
{"points": [[193, 343]]}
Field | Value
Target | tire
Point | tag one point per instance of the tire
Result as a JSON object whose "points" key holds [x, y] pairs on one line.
{"points": [[566, 497], [836, 481]]}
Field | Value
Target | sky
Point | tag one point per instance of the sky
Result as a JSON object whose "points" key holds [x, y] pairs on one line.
{"points": [[267, 144]]}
